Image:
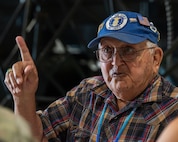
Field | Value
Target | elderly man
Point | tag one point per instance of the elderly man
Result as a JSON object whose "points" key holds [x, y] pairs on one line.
{"points": [[129, 102]]}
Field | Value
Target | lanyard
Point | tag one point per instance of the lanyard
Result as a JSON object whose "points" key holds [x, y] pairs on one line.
{"points": [[122, 128], [100, 123]]}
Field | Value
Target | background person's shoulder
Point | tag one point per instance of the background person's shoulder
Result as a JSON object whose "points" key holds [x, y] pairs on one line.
{"points": [[13, 128]]}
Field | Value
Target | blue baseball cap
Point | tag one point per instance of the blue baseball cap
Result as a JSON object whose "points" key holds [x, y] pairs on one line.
{"points": [[126, 26]]}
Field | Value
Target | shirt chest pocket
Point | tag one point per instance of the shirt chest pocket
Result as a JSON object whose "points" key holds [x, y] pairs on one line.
{"points": [[133, 132], [80, 129]]}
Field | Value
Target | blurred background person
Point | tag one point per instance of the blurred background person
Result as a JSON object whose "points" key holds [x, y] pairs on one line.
{"points": [[170, 134], [13, 128]]}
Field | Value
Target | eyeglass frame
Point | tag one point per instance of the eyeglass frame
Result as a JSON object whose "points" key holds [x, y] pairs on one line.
{"points": [[121, 56]]}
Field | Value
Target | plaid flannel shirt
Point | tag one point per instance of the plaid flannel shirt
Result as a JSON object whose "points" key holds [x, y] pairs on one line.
{"points": [[75, 117]]}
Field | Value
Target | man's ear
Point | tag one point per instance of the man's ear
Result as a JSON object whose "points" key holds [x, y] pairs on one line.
{"points": [[158, 56]]}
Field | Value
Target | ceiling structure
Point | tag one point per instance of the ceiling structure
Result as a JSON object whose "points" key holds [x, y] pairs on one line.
{"points": [[57, 33]]}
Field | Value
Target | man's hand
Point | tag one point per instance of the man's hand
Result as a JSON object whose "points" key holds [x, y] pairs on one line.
{"points": [[22, 82], [22, 78]]}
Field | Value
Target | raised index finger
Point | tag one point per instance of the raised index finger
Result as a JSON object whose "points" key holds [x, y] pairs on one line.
{"points": [[24, 52]]}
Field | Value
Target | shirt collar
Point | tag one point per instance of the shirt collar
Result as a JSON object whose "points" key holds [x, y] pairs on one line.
{"points": [[152, 92]]}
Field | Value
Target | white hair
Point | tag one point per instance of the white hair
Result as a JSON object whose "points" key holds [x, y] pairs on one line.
{"points": [[150, 44]]}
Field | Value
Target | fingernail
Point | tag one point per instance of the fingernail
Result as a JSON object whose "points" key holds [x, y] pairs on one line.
{"points": [[13, 91], [19, 81], [17, 90]]}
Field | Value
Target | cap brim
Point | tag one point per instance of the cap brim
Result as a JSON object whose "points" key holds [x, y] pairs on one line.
{"points": [[128, 38]]}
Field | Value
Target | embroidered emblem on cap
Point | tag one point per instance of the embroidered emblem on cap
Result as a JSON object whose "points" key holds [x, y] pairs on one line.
{"points": [[116, 22], [154, 29], [100, 27]]}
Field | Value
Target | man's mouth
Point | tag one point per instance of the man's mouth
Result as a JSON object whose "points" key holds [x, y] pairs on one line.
{"points": [[117, 74]]}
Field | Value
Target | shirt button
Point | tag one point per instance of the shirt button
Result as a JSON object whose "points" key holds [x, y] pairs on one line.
{"points": [[116, 118]]}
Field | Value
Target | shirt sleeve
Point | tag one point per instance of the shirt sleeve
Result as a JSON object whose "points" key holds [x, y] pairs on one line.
{"points": [[55, 118]]}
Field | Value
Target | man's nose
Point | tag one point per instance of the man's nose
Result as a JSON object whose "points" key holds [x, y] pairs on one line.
{"points": [[117, 59]]}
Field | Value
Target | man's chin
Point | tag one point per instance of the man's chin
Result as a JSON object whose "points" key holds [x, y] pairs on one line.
{"points": [[118, 84]]}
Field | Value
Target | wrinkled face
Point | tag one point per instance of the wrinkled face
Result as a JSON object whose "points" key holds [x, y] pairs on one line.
{"points": [[127, 73]]}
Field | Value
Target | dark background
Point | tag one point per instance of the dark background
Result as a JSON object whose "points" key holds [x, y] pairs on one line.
{"points": [[57, 33]]}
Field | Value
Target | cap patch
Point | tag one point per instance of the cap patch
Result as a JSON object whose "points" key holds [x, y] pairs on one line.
{"points": [[100, 27], [133, 20], [154, 29], [143, 20], [116, 22]]}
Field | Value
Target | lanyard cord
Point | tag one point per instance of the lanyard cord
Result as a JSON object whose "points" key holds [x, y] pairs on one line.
{"points": [[124, 125], [122, 128], [100, 123]]}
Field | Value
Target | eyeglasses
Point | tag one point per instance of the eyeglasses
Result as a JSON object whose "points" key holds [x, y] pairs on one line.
{"points": [[127, 54]]}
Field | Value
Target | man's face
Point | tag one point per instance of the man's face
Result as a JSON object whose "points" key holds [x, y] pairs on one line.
{"points": [[128, 76]]}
